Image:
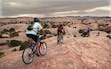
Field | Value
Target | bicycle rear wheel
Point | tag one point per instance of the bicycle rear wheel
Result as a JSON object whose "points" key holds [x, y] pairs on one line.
{"points": [[42, 48], [58, 39], [28, 55]]}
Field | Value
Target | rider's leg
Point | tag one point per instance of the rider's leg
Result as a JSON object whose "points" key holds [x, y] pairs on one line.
{"points": [[58, 36], [30, 41], [37, 46], [61, 36]]}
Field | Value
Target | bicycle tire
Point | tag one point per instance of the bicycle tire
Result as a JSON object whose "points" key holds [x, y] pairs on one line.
{"points": [[42, 48], [29, 55], [58, 39]]}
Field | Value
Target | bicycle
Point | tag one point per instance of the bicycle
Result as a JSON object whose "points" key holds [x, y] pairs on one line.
{"points": [[29, 52], [59, 38]]}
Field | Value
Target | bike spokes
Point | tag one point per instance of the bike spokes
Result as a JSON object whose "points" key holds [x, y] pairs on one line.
{"points": [[43, 49], [27, 55]]}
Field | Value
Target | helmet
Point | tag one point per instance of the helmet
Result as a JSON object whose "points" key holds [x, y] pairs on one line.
{"points": [[36, 20]]}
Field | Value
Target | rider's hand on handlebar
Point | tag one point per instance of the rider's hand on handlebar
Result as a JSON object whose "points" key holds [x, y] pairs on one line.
{"points": [[44, 35]]}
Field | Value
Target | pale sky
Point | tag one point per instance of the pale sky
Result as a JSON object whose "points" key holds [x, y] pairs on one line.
{"points": [[53, 8]]}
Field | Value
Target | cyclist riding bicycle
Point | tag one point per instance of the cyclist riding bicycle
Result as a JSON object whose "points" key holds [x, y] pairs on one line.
{"points": [[88, 31], [60, 31], [32, 34]]}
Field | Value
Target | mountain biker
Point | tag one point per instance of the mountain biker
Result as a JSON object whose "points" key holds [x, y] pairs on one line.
{"points": [[32, 34], [88, 31], [60, 31]]}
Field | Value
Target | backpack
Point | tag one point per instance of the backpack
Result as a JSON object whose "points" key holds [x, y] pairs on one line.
{"points": [[30, 27]]}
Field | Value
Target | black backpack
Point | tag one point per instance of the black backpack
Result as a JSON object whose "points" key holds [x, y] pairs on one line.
{"points": [[30, 27]]}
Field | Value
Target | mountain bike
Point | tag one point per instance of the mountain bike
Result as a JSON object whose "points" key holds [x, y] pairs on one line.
{"points": [[29, 52], [59, 38]]}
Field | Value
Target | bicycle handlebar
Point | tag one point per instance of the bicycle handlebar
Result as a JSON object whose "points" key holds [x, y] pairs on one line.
{"points": [[40, 36]]}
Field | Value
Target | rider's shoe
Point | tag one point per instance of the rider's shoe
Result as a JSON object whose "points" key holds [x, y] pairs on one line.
{"points": [[37, 54]]}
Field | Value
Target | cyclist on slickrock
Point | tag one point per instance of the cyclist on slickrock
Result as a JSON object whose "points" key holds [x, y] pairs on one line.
{"points": [[88, 31], [60, 31], [33, 30]]}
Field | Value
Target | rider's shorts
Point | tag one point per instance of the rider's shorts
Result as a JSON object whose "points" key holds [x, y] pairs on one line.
{"points": [[34, 37], [59, 31]]}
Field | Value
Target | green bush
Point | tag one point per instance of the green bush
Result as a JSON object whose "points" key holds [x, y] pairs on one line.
{"points": [[81, 31], [108, 36], [12, 34], [14, 43], [1, 54], [54, 26], [24, 45], [0, 35], [54, 34], [84, 34], [1, 44], [12, 29], [14, 50], [45, 25], [75, 36], [47, 32], [104, 25]]}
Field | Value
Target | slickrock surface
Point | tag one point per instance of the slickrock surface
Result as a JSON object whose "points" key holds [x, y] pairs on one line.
{"points": [[73, 53]]}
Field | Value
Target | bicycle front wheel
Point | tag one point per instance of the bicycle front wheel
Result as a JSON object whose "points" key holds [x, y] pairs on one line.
{"points": [[28, 55], [42, 48]]}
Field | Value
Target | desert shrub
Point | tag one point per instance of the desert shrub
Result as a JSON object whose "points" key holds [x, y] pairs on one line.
{"points": [[47, 32], [0, 35], [1, 54], [108, 36], [12, 29], [54, 26], [14, 43], [81, 31], [14, 50], [75, 36], [5, 30], [82, 20], [45, 25], [89, 23], [103, 25], [54, 34], [1, 44], [24, 45], [75, 27], [84, 34], [12, 34], [2, 32]]}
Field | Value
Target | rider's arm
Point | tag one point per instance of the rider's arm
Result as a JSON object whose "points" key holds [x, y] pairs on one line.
{"points": [[63, 29], [43, 32]]}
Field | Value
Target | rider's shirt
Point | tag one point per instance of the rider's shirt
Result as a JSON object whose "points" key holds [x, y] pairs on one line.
{"points": [[60, 28], [36, 28]]}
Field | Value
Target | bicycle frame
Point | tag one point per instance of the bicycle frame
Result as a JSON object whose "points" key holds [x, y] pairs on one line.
{"points": [[30, 51], [59, 38]]}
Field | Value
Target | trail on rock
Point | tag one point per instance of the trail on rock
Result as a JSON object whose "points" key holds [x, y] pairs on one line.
{"points": [[73, 53]]}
